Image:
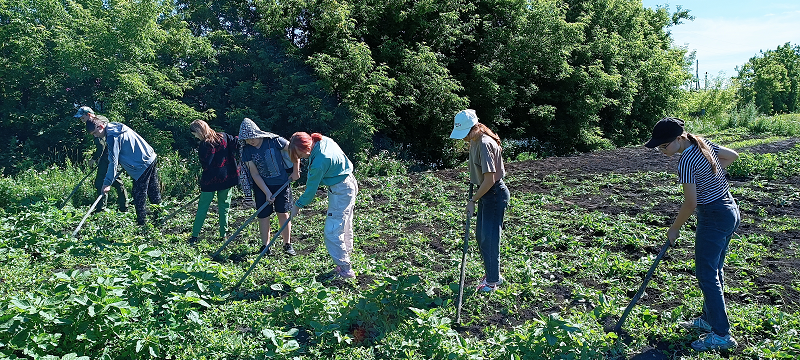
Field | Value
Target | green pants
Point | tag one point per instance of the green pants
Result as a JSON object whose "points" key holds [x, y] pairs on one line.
{"points": [[223, 204]]}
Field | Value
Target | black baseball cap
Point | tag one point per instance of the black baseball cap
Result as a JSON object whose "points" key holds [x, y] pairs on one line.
{"points": [[666, 130]]}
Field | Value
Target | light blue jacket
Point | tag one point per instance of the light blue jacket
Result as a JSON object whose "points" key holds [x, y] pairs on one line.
{"points": [[327, 165], [126, 148]]}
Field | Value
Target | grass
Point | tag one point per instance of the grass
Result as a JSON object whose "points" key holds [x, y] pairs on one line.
{"points": [[149, 294]]}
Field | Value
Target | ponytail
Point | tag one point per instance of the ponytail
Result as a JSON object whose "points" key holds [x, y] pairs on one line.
{"points": [[704, 148], [480, 129], [301, 141]]}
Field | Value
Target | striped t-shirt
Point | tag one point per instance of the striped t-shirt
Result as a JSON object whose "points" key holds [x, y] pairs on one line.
{"points": [[693, 168]]}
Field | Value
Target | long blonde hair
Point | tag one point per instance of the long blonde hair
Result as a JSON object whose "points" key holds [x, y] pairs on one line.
{"points": [[480, 129], [209, 136], [704, 148]]}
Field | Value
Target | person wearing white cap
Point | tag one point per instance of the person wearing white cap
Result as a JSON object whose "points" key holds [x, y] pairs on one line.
{"points": [[486, 170]]}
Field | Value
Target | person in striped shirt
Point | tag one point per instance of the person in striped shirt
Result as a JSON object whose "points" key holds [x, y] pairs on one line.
{"points": [[701, 171]]}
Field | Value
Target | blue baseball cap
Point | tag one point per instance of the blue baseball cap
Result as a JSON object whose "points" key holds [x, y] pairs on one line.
{"points": [[83, 110]]}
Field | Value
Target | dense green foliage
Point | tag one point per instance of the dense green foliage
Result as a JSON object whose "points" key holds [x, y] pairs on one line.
{"points": [[771, 80], [376, 75], [717, 100], [132, 61]]}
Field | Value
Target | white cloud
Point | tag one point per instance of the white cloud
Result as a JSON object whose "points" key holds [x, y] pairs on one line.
{"points": [[723, 44]]}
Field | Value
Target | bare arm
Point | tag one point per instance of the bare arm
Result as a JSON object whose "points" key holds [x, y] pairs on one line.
{"points": [[689, 204], [296, 172], [489, 179], [726, 156], [258, 180]]}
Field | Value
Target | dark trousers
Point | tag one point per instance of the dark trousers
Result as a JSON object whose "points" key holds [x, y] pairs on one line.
{"points": [[489, 228], [122, 195], [146, 186]]}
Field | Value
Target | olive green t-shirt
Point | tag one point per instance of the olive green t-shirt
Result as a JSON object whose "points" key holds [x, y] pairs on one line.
{"points": [[485, 156]]}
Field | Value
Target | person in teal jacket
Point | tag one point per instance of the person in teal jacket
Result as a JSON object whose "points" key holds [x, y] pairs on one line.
{"points": [[329, 166], [127, 148]]}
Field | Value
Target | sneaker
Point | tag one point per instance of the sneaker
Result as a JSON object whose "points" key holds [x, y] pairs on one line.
{"points": [[487, 287], [192, 240], [287, 248], [713, 341], [269, 251], [339, 273], [696, 324]]}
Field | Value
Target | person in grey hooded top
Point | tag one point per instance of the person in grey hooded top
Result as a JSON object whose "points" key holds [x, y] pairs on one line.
{"points": [[127, 148]]}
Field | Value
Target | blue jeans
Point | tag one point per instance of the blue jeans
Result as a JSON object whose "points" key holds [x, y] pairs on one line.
{"points": [[491, 209], [716, 223]]}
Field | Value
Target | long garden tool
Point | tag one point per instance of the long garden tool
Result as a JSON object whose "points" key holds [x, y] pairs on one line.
{"points": [[184, 206], [87, 214], [647, 277], [264, 251], [463, 261], [91, 208], [76, 188], [247, 222]]}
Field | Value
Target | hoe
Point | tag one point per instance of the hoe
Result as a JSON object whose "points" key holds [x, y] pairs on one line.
{"points": [[76, 188], [618, 327], [248, 221], [463, 261]]}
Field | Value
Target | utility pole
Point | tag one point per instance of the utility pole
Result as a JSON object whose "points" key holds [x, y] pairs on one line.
{"points": [[705, 82], [697, 74]]}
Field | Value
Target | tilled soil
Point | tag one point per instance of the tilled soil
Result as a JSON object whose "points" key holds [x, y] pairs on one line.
{"points": [[776, 286]]}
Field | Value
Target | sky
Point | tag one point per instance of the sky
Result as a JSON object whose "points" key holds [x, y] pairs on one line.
{"points": [[726, 34]]}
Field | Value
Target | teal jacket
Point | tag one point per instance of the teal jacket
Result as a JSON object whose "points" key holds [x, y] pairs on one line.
{"points": [[126, 148], [327, 165]]}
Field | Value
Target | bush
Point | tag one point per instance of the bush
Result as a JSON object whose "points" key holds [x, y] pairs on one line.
{"points": [[743, 116], [766, 166], [715, 101], [383, 164]]}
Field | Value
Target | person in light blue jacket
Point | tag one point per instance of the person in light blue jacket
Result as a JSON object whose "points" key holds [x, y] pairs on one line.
{"points": [[329, 166], [127, 148]]}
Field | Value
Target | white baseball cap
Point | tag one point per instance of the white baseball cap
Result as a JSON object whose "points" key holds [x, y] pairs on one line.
{"points": [[464, 121]]}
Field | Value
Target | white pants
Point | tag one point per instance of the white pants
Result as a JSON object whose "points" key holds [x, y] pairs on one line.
{"points": [[339, 221]]}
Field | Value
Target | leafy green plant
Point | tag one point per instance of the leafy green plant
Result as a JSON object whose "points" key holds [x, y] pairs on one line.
{"points": [[382, 164], [766, 166]]}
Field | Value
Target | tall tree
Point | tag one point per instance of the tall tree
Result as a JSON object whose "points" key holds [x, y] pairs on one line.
{"points": [[771, 80], [130, 60]]}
